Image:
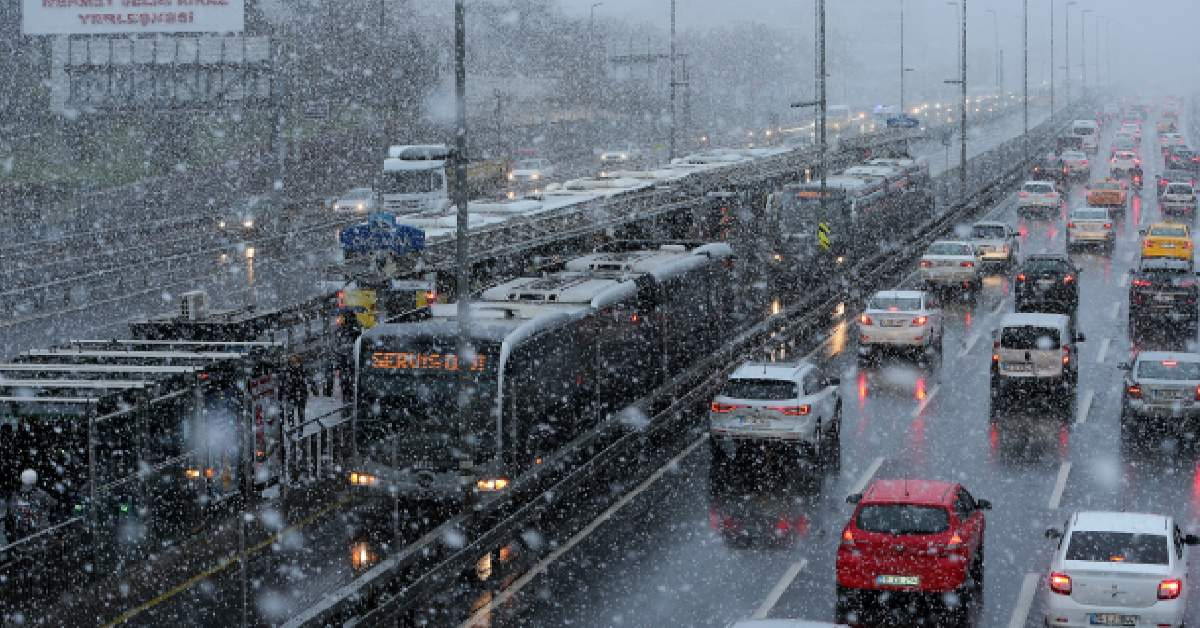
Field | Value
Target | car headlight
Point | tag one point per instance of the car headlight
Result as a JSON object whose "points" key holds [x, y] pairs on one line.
{"points": [[535, 176], [220, 224], [511, 176], [248, 223]]}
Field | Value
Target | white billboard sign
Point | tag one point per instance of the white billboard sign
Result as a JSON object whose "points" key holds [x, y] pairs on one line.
{"points": [[101, 17]]}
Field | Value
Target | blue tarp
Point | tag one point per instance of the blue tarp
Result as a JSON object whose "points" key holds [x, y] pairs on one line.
{"points": [[381, 232]]}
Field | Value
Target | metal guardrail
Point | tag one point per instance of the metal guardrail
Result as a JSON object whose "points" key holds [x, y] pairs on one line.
{"points": [[318, 448], [378, 595]]}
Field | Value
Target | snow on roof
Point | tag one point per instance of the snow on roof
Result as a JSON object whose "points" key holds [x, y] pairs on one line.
{"points": [[570, 288], [990, 223], [403, 165], [786, 371], [909, 492], [662, 263], [1035, 319], [898, 294], [1109, 521]]}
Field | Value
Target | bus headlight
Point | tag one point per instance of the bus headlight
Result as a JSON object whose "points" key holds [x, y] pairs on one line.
{"points": [[491, 484], [363, 479]]}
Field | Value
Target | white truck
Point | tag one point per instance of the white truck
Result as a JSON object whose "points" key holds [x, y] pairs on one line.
{"points": [[417, 178]]}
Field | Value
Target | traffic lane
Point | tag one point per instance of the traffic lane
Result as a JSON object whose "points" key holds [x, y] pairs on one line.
{"points": [[979, 139]]}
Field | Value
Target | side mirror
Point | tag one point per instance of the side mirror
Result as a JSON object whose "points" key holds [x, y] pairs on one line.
{"points": [[983, 504], [1053, 533], [854, 498], [1080, 338], [1191, 539]]}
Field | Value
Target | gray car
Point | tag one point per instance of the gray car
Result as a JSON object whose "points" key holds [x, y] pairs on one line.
{"points": [[1162, 391]]}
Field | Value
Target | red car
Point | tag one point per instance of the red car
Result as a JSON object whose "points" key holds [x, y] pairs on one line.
{"points": [[914, 536]]}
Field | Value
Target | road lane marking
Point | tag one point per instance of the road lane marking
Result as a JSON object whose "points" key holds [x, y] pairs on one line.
{"points": [[1103, 350], [1082, 415], [926, 401], [970, 345], [1060, 485], [1124, 282], [780, 587], [1020, 614], [999, 306], [1115, 311], [484, 612], [871, 471]]}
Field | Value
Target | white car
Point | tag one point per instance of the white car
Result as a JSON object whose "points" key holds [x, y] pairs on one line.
{"points": [[794, 407], [1123, 161], [531, 171], [1038, 197], [1167, 140], [356, 201], [995, 242], [622, 158], [1090, 225], [1035, 350], [951, 263], [1118, 569], [1077, 164], [1160, 390], [1131, 129], [1177, 198], [900, 320]]}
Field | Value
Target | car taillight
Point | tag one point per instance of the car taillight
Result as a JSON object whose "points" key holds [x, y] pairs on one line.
{"points": [[1108, 225], [1142, 283], [966, 264], [722, 408], [1187, 244], [847, 538], [1068, 278], [995, 351], [801, 410], [1084, 162], [1066, 351], [919, 321], [1170, 589], [1134, 391], [1070, 225], [954, 546], [1020, 276], [926, 263], [863, 319], [1023, 194], [1060, 583]]}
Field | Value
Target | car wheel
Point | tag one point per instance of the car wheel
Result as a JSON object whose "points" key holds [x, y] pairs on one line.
{"points": [[847, 607], [977, 570]]}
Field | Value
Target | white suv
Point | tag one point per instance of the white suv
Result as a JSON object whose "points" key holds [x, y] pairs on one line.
{"points": [[1118, 569], [1035, 349], [1038, 196], [900, 320], [767, 407]]}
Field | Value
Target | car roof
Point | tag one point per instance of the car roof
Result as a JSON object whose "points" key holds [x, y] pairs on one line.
{"points": [[904, 491], [990, 223], [1167, 225], [898, 294], [1089, 208], [1110, 521], [784, 371], [778, 622], [1036, 182], [962, 242], [1035, 319], [1159, 356], [1042, 257]]}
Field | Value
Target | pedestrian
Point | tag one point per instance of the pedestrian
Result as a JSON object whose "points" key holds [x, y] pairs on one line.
{"points": [[295, 386]]}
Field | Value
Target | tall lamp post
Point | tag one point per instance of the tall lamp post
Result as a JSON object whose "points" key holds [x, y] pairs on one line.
{"points": [[462, 225], [998, 56], [1051, 59], [962, 110], [1025, 76], [674, 80], [1083, 46], [820, 102], [1067, 45]]}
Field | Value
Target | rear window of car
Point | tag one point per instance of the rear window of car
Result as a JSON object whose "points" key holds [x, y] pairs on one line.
{"points": [[1089, 214], [1040, 266], [949, 248], [1039, 188], [765, 389], [1105, 185], [1029, 337], [1175, 232], [1119, 547], [1074, 155], [902, 519], [988, 231], [1179, 188], [1168, 369], [1126, 155], [900, 304]]}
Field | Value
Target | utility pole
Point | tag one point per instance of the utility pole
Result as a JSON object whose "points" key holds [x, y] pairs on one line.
{"points": [[962, 155], [462, 261], [822, 102], [1025, 77], [903, 112], [673, 80], [1051, 59], [1083, 46], [1067, 45], [997, 57]]}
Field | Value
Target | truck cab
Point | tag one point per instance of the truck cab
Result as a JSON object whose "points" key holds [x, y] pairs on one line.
{"points": [[414, 178]]}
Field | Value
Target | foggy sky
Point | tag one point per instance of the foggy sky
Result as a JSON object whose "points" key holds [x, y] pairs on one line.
{"points": [[1153, 42]]}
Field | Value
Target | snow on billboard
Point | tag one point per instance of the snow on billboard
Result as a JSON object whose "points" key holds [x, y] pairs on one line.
{"points": [[100, 17]]}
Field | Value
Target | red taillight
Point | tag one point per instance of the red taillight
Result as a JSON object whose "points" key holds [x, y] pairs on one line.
{"points": [[1060, 583], [341, 298], [1170, 589], [1023, 194], [1134, 391], [995, 351], [926, 263], [801, 410], [1108, 225], [1084, 162], [1068, 278], [967, 264], [1066, 351], [1020, 276], [847, 537], [863, 319], [1141, 283], [919, 321], [722, 408], [1070, 225]]}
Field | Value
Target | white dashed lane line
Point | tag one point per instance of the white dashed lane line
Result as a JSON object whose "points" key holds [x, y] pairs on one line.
{"points": [[1124, 282], [1115, 311], [1085, 406], [1060, 485], [1103, 350], [866, 478], [781, 586], [1020, 613]]}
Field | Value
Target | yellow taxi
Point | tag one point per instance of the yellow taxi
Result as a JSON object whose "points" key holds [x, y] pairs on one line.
{"points": [[1167, 239], [1107, 193]]}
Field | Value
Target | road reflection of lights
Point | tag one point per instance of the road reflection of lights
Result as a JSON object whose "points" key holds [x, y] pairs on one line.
{"points": [[840, 310], [993, 441], [483, 601], [362, 557], [1137, 210], [776, 306], [839, 339], [483, 567], [1196, 492], [862, 389], [920, 392], [1064, 442], [916, 439], [967, 318]]}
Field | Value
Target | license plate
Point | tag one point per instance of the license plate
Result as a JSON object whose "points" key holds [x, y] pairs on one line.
{"points": [[1113, 619], [1018, 366], [1171, 394], [892, 323], [944, 263], [754, 420], [898, 581], [1167, 245], [1165, 298], [1045, 283]]}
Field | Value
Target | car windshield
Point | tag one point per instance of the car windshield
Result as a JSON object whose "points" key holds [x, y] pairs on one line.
{"points": [[358, 194], [900, 304], [1106, 185], [1169, 231], [949, 248], [1084, 130], [1029, 337], [1089, 214], [1179, 188], [530, 164], [1119, 547], [1039, 188], [1168, 369], [902, 519], [1125, 156], [989, 232], [1074, 156], [765, 389]]}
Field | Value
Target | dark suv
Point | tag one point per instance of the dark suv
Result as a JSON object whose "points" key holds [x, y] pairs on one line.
{"points": [[1182, 158], [1162, 290], [1049, 168], [1046, 283]]}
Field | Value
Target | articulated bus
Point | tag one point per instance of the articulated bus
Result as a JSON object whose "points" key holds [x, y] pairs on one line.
{"points": [[552, 357]]}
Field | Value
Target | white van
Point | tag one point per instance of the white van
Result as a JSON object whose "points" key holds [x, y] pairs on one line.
{"points": [[1089, 132], [1035, 349]]}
